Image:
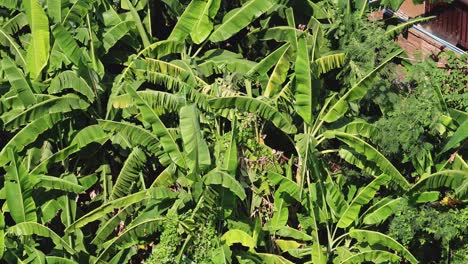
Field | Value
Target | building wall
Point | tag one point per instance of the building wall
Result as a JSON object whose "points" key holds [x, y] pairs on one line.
{"points": [[451, 25]]}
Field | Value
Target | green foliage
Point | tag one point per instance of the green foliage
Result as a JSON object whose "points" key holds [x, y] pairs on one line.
{"points": [[409, 127], [224, 132], [169, 242], [434, 227]]}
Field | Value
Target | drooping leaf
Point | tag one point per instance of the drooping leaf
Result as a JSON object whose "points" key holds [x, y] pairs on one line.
{"points": [[61, 104], [38, 50], [165, 137], [226, 180], [29, 134], [364, 196], [371, 154], [84, 137], [290, 232], [69, 79], [18, 82], [375, 256], [303, 94], [285, 185], [392, 31], [338, 109], [372, 238], [255, 106], [56, 183], [76, 12], [446, 178], [68, 44], [238, 236], [128, 174], [239, 18], [33, 228], [19, 187], [128, 236], [106, 229], [115, 33], [8, 41], [269, 61], [335, 199], [136, 135], [382, 211], [198, 154], [457, 137], [273, 259], [106, 208], [328, 62]]}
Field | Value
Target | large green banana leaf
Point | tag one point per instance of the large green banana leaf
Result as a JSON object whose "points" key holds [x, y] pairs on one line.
{"points": [[167, 140], [19, 187], [33, 228], [237, 19], [195, 147], [373, 238], [255, 106], [226, 180], [371, 154], [338, 109], [278, 76], [364, 196], [29, 134], [17, 80], [129, 174], [38, 50], [375, 256], [69, 79], [303, 94], [63, 104]]}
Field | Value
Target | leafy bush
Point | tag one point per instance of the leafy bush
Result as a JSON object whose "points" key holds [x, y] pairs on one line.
{"points": [[217, 132]]}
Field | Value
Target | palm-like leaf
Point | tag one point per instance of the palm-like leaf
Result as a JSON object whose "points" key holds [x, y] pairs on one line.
{"points": [[129, 173], [77, 11], [371, 154], [29, 134], [254, 106], [38, 50], [198, 154], [338, 109], [69, 79], [373, 238], [19, 186], [18, 82], [56, 183], [278, 76], [62, 104], [226, 180], [363, 197], [376, 256], [239, 18], [33, 228], [115, 33], [165, 137], [68, 45], [8, 41], [303, 94]]}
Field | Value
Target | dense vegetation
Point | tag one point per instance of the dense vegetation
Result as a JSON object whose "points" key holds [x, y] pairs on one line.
{"points": [[209, 131]]}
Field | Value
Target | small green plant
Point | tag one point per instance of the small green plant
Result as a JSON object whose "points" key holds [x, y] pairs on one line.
{"points": [[166, 250], [438, 227]]}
